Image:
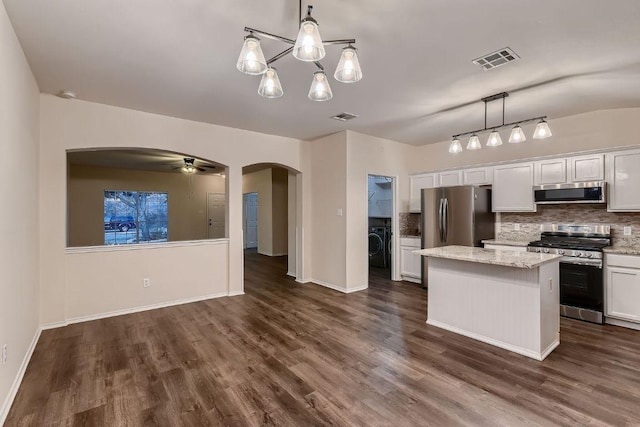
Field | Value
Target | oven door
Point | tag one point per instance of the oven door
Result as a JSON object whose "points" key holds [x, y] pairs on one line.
{"points": [[581, 286]]}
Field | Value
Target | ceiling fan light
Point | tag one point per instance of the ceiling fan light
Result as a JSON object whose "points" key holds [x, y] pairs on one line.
{"points": [[455, 146], [542, 130], [348, 69], [320, 90], [270, 86], [474, 143], [494, 139], [251, 60], [308, 46], [517, 135]]}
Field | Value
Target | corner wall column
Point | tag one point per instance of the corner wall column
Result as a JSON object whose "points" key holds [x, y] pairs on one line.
{"points": [[234, 224]]}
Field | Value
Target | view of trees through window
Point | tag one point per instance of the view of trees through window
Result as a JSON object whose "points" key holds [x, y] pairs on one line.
{"points": [[134, 217]]}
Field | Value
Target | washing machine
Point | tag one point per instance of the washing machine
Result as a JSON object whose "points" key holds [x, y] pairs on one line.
{"points": [[378, 247]]}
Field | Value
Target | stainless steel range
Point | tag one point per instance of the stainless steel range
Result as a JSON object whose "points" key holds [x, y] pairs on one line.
{"points": [[581, 274]]}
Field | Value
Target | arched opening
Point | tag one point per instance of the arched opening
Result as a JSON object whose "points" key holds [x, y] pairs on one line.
{"points": [[134, 196], [270, 215]]}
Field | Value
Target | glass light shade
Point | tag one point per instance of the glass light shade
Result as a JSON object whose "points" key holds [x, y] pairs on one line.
{"points": [[189, 169], [517, 135], [251, 59], [542, 130], [308, 45], [348, 69], [494, 139], [455, 146], [320, 90], [474, 143], [270, 86]]}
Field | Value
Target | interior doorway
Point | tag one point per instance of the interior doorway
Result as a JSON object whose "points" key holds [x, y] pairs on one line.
{"points": [[216, 212], [380, 197], [250, 218]]}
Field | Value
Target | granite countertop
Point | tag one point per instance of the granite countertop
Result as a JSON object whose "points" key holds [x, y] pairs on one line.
{"points": [[622, 250], [520, 243], [490, 256]]}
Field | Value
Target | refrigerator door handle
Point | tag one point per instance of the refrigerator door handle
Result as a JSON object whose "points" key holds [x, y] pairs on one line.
{"points": [[446, 220], [440, 220]]}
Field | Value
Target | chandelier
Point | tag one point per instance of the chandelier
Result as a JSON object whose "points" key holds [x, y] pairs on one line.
{"points": [[307, 47], [542, 130]]}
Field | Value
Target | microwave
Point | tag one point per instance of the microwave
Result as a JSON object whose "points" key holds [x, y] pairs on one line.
{"points": [[579, 192]]}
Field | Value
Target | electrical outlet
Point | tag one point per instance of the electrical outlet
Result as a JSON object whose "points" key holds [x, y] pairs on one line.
{"points": [[146, 283], [627, 231], [516, 227], [4, 354]]}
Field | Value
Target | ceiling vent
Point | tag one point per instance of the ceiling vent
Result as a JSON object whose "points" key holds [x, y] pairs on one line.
{"points": [[343, 117], [496, 59]]}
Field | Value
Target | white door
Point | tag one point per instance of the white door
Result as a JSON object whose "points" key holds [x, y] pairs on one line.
{"points": [[216, 207], [250, 203]]}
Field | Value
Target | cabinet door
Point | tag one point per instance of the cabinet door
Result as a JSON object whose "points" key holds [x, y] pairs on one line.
{"points": [[417, 183], [477, 176], [513, 188], [410, 265], [623, 178], [552, 171], [587, 168], [449, 179], [623, 293]]}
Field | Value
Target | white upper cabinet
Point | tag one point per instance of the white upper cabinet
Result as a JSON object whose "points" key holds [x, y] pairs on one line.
{"points": [[449, 178], [552, 171], [417, 183], [623, 178], [513, 188], [570, 169], [586, 168], [477, 176]]}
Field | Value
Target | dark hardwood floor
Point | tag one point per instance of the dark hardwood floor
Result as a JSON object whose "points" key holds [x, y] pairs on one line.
{"points": [[300, 354]]}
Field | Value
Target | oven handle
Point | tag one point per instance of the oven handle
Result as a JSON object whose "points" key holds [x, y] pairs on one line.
{"points": [[581, 261]]}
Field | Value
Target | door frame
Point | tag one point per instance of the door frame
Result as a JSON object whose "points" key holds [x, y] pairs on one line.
{"points": [[395, 225]]}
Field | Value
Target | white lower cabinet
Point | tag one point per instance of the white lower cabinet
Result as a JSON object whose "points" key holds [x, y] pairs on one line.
{"points": [[505, 247], [622, 282], [410, 263]]}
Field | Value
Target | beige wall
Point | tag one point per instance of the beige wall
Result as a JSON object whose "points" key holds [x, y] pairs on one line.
{"points": [[328, 158], [187, 197], [73, 124], [19, 105], [280, 215]]}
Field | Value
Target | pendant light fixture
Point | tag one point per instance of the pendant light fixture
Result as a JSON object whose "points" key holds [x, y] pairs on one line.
{"points": [[517, 135], [270, 86], [307, 47]]}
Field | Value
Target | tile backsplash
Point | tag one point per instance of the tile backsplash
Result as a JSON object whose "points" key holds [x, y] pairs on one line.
{"points": [[410, 223], [528, 223]]}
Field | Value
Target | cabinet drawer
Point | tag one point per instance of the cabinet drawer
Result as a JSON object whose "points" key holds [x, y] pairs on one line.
{"points": [[628, 261]]}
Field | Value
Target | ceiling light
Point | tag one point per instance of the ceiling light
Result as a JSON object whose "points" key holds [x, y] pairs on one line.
{"points": [[320, 90], [494, 139], [67, 94], [251, 59], [455, 146], [348, 69], [474, 143], [307, 47], [542, 130], [270, 86], [517, 135], [188, 167]]}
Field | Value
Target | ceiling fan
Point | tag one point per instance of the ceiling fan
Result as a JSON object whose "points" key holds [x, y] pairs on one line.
{"points": [[189, 166]]}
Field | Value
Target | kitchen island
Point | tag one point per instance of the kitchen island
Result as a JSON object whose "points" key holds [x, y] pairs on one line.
{"points": [[504, 298]]}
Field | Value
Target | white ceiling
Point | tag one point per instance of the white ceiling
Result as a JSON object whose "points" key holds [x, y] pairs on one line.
{"points": [[178, 58]]}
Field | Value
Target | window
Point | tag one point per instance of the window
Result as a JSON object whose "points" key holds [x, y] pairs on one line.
{"points": [[134, 217]]}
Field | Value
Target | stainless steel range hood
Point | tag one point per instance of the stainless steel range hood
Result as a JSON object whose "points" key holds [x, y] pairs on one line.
{"points": [[578, 192]]}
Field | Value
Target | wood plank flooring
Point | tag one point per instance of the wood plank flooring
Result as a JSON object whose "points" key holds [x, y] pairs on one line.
{"points": [[303, 355]]}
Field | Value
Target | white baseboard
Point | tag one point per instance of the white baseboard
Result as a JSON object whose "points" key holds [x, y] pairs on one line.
{"points": [[412, 279], [623, 323], [540, 356], [291, 274], [132, 310], [303, 280], [6, 406], [336, 287], [235, 293]]}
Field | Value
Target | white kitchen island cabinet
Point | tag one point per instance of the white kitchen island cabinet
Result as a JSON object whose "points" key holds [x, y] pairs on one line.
{"points": [[504, 298]]}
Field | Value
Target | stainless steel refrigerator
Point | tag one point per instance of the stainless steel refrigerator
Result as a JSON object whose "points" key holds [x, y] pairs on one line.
{"points": [[455, 216]]}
